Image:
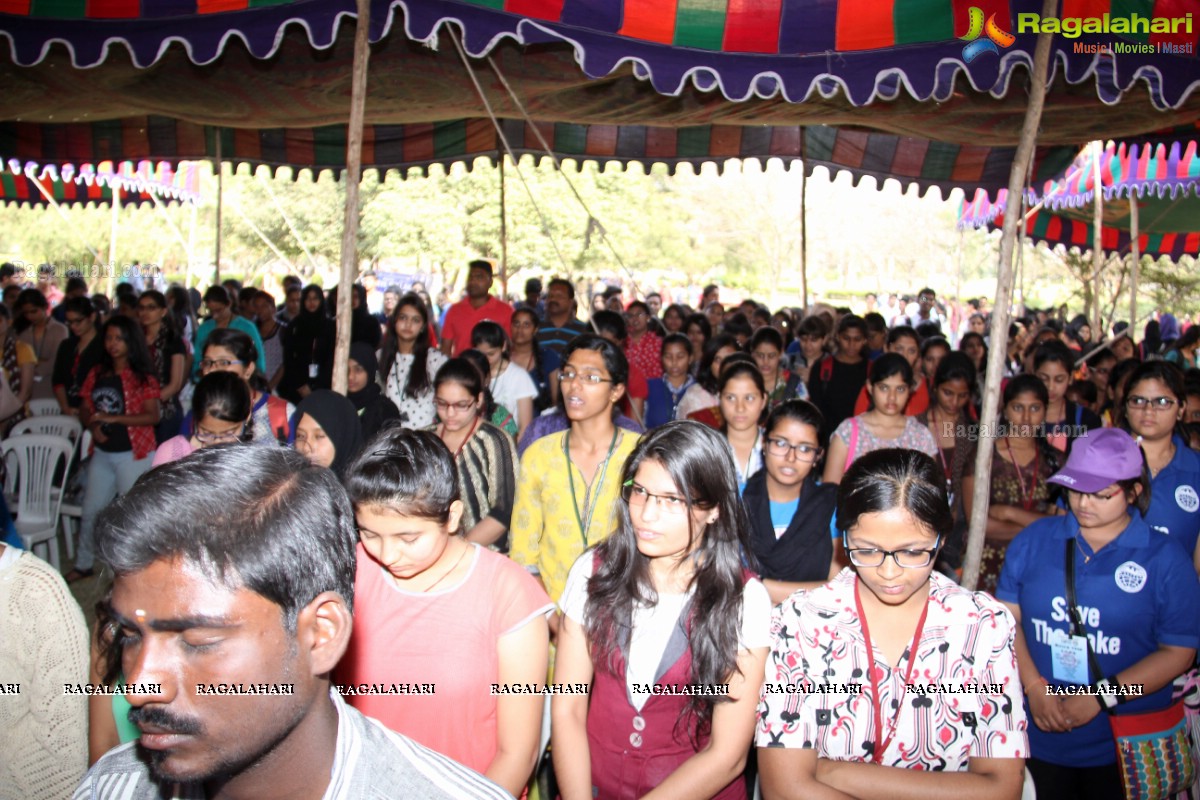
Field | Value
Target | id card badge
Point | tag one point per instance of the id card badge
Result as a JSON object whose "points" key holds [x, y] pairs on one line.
{"points": [[1068, 658], [312, 370]]}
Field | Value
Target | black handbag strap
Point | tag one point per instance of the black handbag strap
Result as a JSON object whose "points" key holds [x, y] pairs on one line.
{"points": [[1077, 628]]}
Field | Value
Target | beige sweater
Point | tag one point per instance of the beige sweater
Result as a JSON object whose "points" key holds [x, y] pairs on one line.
{"points": [[43, 645]]}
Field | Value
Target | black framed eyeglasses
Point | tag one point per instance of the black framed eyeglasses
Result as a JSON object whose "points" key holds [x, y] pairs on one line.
{"points": [[905, 559]]}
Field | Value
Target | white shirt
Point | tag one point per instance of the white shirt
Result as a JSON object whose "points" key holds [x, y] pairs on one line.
{"points": [[652, 626], [512, 386]]}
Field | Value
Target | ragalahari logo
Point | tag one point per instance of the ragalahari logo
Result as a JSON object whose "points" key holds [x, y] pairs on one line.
{"points": [[983, 37]]}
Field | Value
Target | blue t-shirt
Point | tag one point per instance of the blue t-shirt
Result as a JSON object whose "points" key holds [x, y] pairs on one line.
{"points": [[1136, 593], [1174, 502], [782, 514]]}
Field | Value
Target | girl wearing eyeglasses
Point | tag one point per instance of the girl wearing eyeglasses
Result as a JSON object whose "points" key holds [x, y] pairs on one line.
{"points": [[435, 609], [169, 356], [663, 604], [886, 425], [229, 350], [1154, 404], [1137, 599], [484, 455], [220, 415], [789, 511], [843, 711]]}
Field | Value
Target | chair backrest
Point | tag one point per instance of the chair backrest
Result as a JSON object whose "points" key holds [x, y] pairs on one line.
{"points": [[44, 407], [54, 425], [37, 457]]}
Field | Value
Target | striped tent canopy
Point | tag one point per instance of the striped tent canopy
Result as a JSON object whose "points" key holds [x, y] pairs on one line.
{"points": [[27, 182], [910, 160], [1163, 179], [870, 49]]}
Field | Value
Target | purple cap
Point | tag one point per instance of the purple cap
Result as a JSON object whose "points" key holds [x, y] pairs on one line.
{"points": [[1099, 459]]}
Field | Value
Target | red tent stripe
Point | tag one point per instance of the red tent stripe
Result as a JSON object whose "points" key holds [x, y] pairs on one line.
{"points": [[246, 144], [661, 143], [1054, 227], [725, 141], [1191, 243], [300, 146], [16, 7], [652, 20], [602, 140], [368, 144], [785, 142], [217, 6], [418, 143], [135, 140], [538, 9], [910, 156], [865, 25], [968, 167], [752, 26], [481, 136], [850, 148], [113, 9]]}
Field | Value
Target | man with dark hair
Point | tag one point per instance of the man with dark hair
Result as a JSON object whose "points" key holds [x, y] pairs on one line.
{"points": [[473, 309], [9, 275], [835, 381], [76, 287], [877, 333], [926, 310], [533, 298], [245, 299], [228, 619], [560, 325]]}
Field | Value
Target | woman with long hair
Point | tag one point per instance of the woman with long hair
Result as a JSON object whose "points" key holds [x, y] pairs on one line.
{"points": [[77, 355], [885, 425], [220, 415], [510, 385], [434, 608], [891, 625], [673, 319], [308, 347], [699, 332], [525, 353], [1183, 351], [484, 455], [766, 346], [120, 408], [1154, 404], [950, 419], [233, 351], [703, 393], [1100, 572], [409, 361], [169, 356], [1022, 463], [788, 509], [664, 600], [18, 361], [1053, 363]]}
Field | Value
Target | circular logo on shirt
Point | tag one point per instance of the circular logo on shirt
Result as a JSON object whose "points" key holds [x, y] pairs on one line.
{"points": [[1186, 498], [1131, 577]]}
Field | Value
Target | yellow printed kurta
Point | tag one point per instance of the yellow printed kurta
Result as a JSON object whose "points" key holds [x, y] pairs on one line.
{"points": [[545, 529]]}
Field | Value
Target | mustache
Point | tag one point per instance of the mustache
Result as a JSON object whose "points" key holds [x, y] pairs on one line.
{"points": [[161, 718]]}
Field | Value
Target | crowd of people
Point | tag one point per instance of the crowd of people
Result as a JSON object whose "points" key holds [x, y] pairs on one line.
{"points": [[692, 551]]}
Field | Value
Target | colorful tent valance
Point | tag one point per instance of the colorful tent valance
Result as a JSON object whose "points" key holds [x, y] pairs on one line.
{"points": [[95, 183], [799, 49], [1163, 179], [910, 160]]}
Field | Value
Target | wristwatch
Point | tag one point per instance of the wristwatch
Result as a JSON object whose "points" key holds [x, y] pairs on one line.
{"points": [[1106, 693]]}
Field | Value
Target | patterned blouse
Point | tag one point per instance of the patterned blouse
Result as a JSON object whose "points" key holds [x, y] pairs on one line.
{"points": [[964, 699], [415, 412]]}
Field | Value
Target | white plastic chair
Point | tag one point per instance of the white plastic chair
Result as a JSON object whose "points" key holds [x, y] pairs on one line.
{"points": [[62, 425], [44, 407], [37, 458]]}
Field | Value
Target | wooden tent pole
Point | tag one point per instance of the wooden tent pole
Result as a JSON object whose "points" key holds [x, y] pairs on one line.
{"points": [[220, 168], [803, 237], [503, 234], [354, 141], [1136, 252], [1097, 239], [1002, 310]]}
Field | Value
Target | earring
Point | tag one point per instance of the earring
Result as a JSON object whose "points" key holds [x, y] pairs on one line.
{"points": [[712, 519]]}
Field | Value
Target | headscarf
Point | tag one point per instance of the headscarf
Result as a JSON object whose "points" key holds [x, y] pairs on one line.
{"points": [[365, 356], [1168, 329], [363, 325], [338, 417]]}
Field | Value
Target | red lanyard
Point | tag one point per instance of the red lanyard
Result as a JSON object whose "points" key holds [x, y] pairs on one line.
{"points": [[876, 700], [1026, 499]]}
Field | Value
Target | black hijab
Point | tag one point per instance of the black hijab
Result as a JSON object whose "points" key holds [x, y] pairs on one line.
{"points": [[338, 417], [365, 356], [310, 325]]}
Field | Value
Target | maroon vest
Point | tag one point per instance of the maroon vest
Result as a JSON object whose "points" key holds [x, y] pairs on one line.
{"points": [[633, 752]]}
